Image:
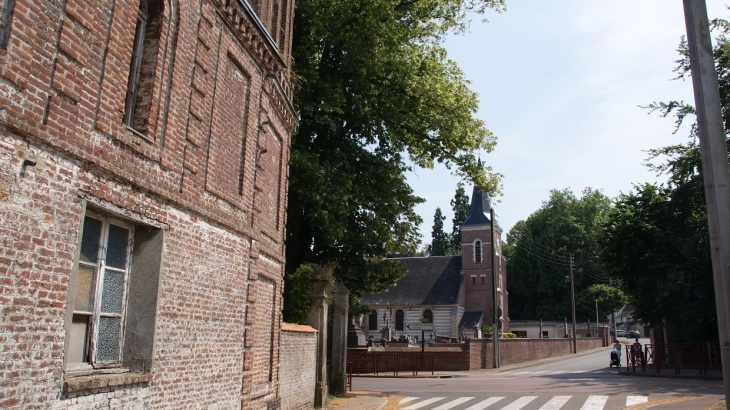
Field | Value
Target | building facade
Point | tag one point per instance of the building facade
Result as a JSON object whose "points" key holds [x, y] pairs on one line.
{"points": [[455, 293], [143, 173]]}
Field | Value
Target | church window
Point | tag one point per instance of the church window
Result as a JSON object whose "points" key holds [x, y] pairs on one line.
{"points": [[478, 251], [373, 320], [6, 22], [428, 315], [399, 319]]}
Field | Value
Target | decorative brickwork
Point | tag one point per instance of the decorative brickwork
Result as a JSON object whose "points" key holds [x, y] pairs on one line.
{"points": [[200, 176]]}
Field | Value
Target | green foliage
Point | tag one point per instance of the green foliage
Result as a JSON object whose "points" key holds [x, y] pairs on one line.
{"points": [[486, 328], [537, 252], [657, 243], [439, 241], [610, 299], [460, 206], [509, 335], [375, 89], [657, 239], [299, 289]]}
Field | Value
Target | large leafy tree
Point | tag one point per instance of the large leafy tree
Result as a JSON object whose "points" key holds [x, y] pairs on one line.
{"points": [[656, 242], [657, 236], [460, 207], [376, 95], [439, 240], [538, 251]]}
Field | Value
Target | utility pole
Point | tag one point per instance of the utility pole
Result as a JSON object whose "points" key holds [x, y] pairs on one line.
{"points": [[495, 295], [597, 318], [572, 302], [613, 314], [715, 170]]}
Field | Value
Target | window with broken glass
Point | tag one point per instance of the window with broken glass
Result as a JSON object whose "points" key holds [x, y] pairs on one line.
{"points": [[96, 332]]}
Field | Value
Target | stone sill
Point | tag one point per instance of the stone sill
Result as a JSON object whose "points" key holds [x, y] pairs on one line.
{"points": [[74, 384]]}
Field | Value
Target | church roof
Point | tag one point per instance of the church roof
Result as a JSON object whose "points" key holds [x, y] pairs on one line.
{"points": [[433, 280], [471, 318]]}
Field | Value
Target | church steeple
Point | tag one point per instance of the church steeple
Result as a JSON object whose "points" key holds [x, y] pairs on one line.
{"points": [[478, 209]]}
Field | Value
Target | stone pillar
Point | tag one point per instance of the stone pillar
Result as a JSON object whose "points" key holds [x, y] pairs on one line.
{"points": [[340, 306], [318, 319]]}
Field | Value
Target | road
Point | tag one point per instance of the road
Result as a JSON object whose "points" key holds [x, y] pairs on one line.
{"points": [[576, 382]]}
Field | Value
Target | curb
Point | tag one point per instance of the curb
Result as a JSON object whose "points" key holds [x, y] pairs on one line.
{"points": [[670, 376]]}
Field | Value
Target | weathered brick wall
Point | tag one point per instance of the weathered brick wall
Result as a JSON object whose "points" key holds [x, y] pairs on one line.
{"points": [[208, 169], [298, 364], [477, 353]]}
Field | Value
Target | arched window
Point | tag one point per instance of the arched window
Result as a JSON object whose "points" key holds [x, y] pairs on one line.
{"points": [[477, 251], [373, 320], [399, 319], [428, 315], [143, 65]]}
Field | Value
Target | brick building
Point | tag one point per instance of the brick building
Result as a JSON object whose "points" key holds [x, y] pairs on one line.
{"points": [[143, 172], [455, 293]]}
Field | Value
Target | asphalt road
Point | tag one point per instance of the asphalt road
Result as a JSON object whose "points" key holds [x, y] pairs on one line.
{"points": [[576, 382]]}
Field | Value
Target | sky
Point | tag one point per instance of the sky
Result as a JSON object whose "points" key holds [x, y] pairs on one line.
{"points": [[560, 84]]}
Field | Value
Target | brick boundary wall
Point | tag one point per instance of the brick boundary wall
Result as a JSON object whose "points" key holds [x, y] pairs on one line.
{"points": [[297, 376], [477, 353]]}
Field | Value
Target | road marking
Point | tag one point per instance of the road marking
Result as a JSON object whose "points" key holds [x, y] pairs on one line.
{"points": [[453, 403], [407, 399], [559, 372], [485, 403], [519, 403], [423, 403], [595, 403], [631, 400], [544, 371], [555, 403]]}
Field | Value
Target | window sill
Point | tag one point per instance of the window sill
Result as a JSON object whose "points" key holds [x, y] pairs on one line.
{"points": [[101, 380]]}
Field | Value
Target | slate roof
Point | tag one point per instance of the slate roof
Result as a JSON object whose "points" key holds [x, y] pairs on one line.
{"points": [[433, 280], [471, 318], [478, 209]]}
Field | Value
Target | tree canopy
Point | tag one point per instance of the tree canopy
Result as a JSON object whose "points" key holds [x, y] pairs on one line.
{"points": [[607, 299], [538, 251], [376, 95], [657, 236]]}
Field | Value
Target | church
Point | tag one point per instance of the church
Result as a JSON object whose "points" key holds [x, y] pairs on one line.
{"points": [[455, 293]]}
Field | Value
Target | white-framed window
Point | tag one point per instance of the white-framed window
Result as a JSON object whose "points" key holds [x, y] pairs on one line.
{"points": [[99, 301], [477, 251]]}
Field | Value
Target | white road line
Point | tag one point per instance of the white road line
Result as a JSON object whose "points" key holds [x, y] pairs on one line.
{"points": [[580, 371], [559, 372], [544, 371], [407, 399], [423, 403], [521, 373], [485, 403], [453, 403], [631, 400], [595, 403], [555, 403], [519, 403]]}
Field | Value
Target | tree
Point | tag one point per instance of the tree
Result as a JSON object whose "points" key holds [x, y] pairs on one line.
{"points": [[657, 243], [460, 206], [657, 235], [538, 251], [610, 299], [374, 88], [439, 240]]}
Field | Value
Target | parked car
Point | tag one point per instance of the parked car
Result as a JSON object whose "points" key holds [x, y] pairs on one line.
{"points": [[620, 333], [633, 334]]}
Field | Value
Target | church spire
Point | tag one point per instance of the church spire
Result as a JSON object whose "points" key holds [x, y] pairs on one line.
{"points": [[479, 209]]}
